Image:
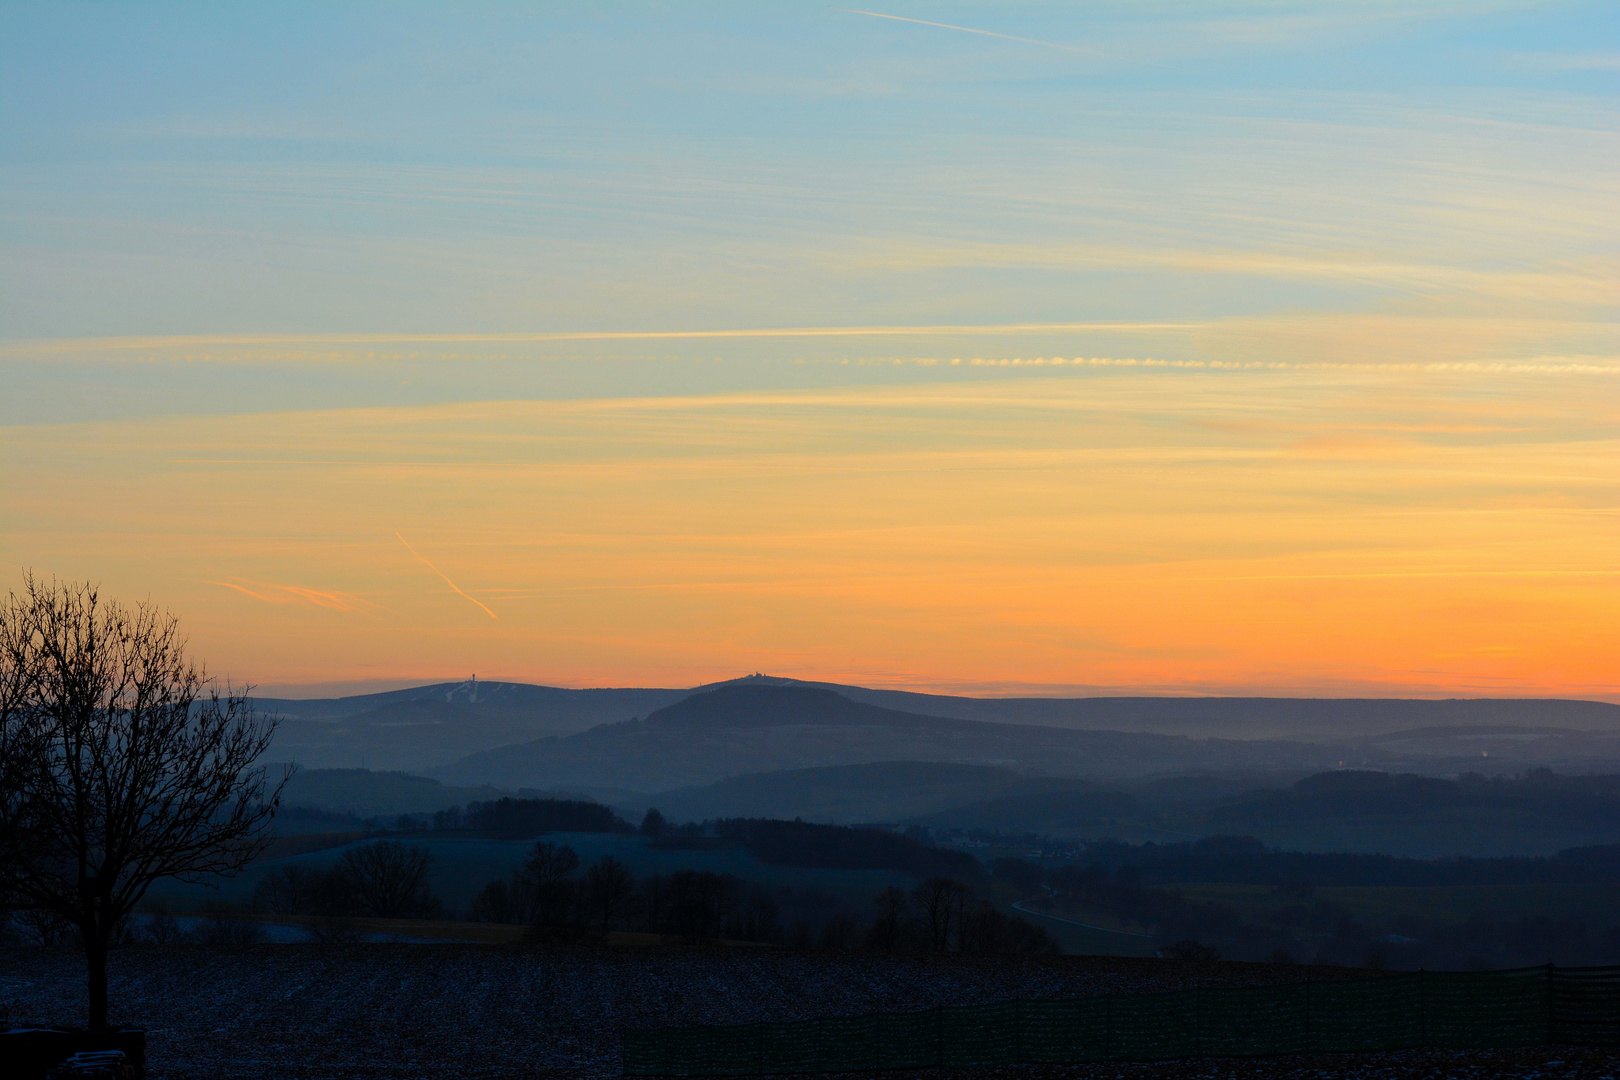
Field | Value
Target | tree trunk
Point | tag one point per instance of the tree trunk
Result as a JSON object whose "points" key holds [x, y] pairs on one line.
{"points": [[95, 956]]}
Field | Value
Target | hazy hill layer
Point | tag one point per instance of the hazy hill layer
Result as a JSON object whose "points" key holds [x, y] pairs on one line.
{"points": [[886, 791], [1069, 815], [1304, 719], [760, 728], [366, 794], [430, 726], [1423, 816], [1342, 810]]}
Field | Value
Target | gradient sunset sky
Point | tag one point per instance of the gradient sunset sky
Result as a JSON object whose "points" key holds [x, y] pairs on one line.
{"points": [[1147, 347]]}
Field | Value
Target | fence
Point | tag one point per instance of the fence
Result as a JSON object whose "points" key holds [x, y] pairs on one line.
{"points": [[1462, 1010]]}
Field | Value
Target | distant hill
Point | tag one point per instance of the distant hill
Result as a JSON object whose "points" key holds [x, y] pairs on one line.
{"points": [[367, 794], [1093, 814], [1342, 810], [753, 728], [1321, 720], [1425, 817], [431, 725], [428, 726]]}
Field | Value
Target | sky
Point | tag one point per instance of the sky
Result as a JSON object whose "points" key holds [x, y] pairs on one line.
{"points": [[1159, 348]]}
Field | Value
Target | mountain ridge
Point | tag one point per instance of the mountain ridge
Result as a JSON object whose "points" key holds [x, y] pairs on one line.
{"points": [[436, 725], [737, 730]]}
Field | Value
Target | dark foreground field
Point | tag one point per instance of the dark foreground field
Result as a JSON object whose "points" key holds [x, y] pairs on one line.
{"points": [[399, 1010]]}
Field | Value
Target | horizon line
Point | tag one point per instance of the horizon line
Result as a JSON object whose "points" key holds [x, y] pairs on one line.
{"points": [[984, 691]]}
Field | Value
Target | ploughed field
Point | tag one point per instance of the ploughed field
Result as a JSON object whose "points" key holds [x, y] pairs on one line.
{"points": [[1548, 1063], [392, 1010], [429, 1010]]}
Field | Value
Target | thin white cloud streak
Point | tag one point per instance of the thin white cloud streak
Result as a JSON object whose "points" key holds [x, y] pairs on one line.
{"points": [[457, 588], [971, 30], [1595, 287], [1596, 571], [1565, 61], [25, 348]]}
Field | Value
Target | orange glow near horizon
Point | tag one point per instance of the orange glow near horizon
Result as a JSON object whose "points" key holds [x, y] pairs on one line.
{"points": [[1334, 532]]}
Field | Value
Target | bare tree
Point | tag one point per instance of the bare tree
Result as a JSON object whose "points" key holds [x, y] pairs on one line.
{"points": [[388, 880], [545, 879], [496, 903], [121, 762], [651, 901], [608, 886], [940, 901], [162, 928], [886, 929]]}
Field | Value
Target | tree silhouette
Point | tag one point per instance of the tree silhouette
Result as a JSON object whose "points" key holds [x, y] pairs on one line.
{"points": [[887, 928], [544, 877], [940, 902], [121, 762], [388, 880], [608, 886], [653, 824]]}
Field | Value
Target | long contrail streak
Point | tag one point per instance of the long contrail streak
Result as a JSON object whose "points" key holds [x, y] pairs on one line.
{"points": [[970, 30], [25, 348], [447, 581]]}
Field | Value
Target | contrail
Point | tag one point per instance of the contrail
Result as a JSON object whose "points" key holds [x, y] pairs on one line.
{"points": [[970, 30], [447, 581], [59, 345]]}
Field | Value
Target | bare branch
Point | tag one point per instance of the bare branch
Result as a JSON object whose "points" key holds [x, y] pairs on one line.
{"points": [[121, 761]]}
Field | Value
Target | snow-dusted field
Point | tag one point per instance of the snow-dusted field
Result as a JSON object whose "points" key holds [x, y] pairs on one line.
{"points": [[401, 1010]]}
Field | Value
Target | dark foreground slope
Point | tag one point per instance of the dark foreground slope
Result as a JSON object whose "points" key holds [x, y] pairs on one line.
{"points": [[391, 1012], [760, 728], [472, 1011]]}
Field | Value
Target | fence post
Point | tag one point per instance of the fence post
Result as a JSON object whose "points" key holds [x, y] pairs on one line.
{"points": [[1423, 1007], [1307, 1015], [760, 1057], [1198, 1022], [1018, 1031], [1552, 1025], [1108, 1041], [939, 1035]]}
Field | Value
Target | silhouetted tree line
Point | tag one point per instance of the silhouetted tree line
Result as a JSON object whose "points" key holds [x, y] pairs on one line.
{"points": [[1300, 925], [1243, 860], [1351, 792], [1483, 942], [838, 847], [1172, 917], [942, 915], [384, 880], [521, 819], [551, 891]]}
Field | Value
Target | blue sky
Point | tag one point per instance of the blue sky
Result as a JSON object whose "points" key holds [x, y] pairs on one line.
{"points": [[197, 169]]}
